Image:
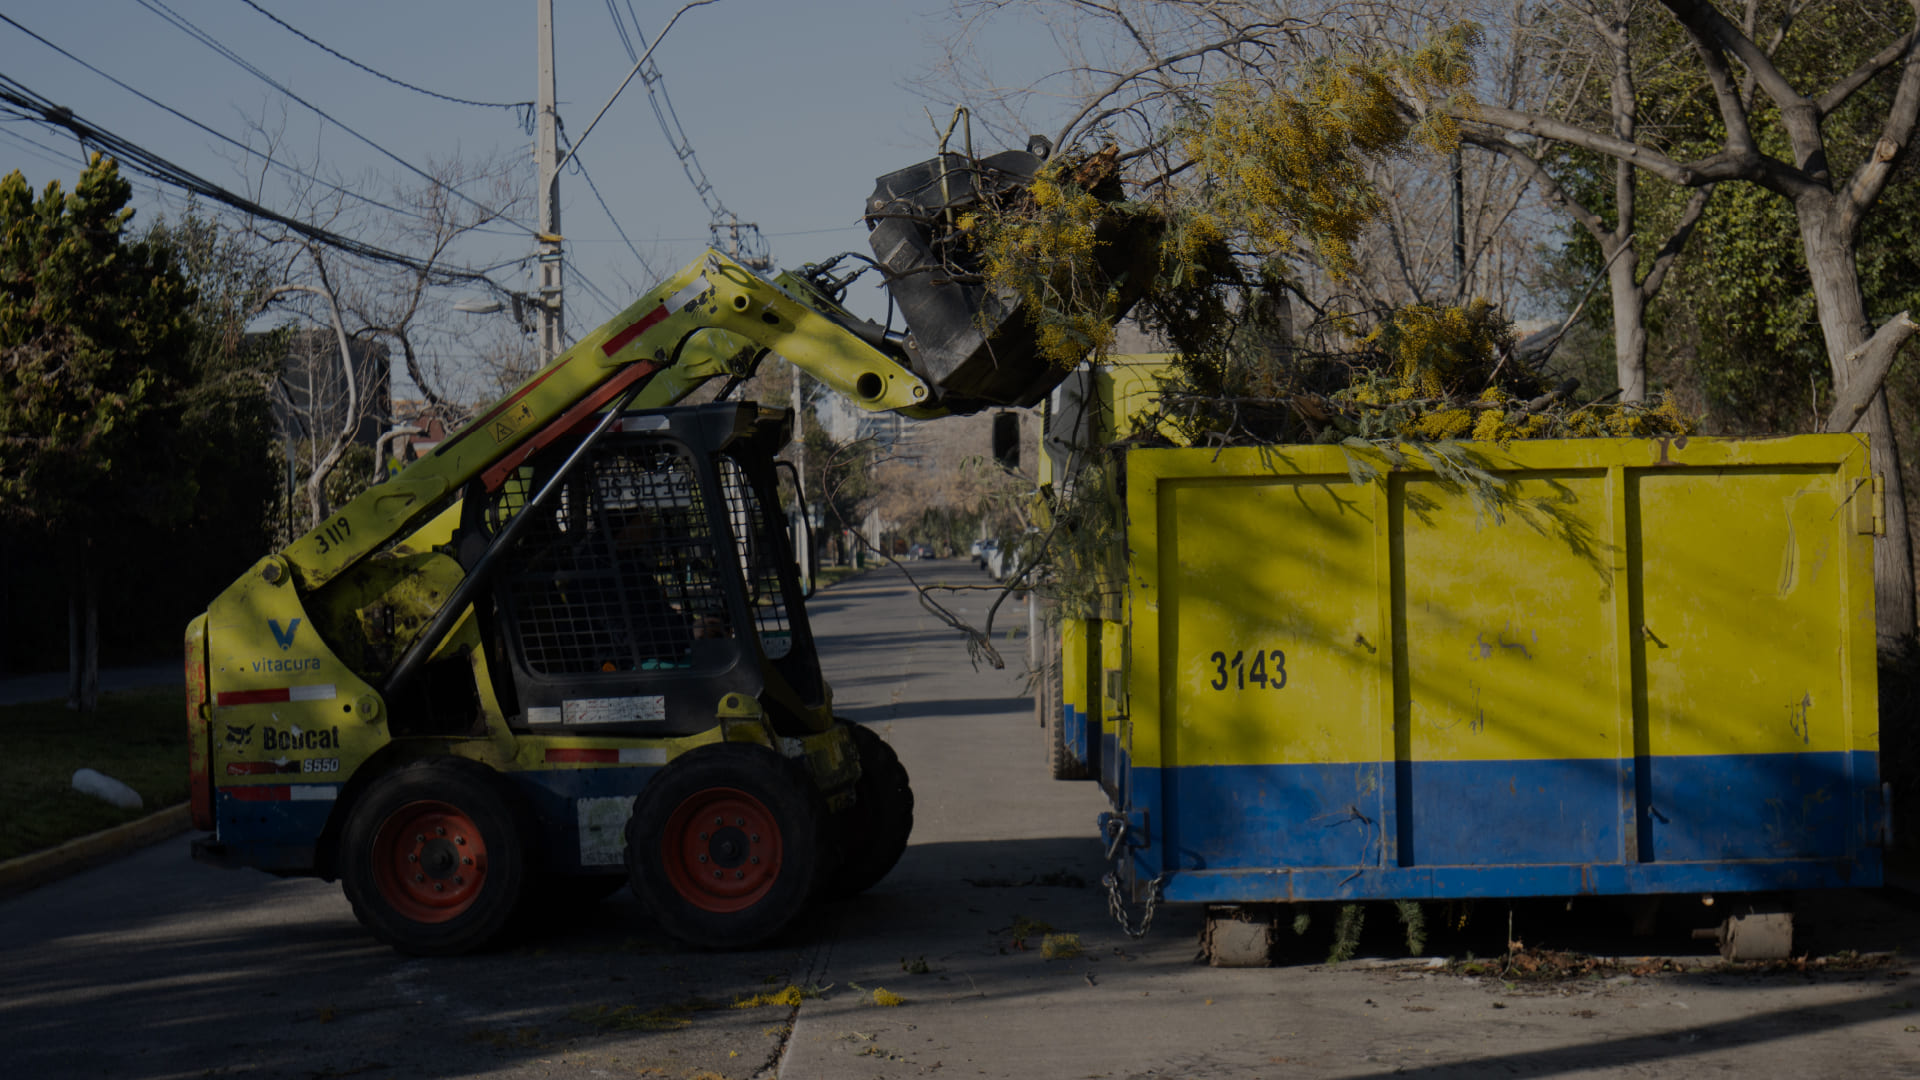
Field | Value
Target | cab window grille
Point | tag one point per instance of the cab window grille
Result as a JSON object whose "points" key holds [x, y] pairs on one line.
{"points": [[753, 528], [619, 572]]}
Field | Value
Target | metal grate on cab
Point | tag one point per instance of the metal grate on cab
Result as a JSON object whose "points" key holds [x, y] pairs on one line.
{"points": [[619, 574], [748, 520]]}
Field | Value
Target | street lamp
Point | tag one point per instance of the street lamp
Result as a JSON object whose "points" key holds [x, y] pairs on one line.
{"points": [[491, 305]]}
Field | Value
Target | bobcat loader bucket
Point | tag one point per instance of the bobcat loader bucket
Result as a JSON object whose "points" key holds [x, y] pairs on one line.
{"points": [[976, 346]]}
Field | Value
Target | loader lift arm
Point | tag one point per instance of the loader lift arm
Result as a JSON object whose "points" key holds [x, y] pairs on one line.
{"points": [[712, 319]]}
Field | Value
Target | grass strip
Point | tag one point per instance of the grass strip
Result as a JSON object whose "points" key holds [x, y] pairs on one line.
{"points": [[138, 737]]}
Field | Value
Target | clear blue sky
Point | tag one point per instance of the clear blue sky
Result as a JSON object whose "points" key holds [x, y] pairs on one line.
{"points": [[793, 107]]}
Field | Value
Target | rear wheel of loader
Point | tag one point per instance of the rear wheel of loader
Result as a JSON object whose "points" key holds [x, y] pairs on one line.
{"points": [[725, 845], [873, 833], [433, 858]]}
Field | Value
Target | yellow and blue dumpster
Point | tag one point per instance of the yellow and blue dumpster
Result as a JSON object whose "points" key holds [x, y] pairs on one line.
{"points": [[1609, 666]]}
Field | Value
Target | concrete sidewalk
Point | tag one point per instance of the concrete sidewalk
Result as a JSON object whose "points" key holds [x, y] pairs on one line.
{"points": [[52, 685]]}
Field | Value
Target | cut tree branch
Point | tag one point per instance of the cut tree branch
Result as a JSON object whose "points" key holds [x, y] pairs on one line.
{"points": [[1869, 365], [1547, 127], [1839, 92], [1677, 242], [1254, 34], [1871, 177]]}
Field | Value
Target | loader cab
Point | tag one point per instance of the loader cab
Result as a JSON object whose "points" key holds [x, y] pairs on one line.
{"points": [[658, 580]]}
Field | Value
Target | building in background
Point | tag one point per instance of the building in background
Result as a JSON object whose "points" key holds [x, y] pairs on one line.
{"points": [[310, 394]]}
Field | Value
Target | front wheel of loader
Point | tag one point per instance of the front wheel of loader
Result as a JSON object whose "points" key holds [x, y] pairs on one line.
{"points": [[433, 858], [872, 834], [725, 845]]}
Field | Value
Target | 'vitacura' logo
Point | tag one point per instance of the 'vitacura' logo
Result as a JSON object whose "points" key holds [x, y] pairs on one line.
{"points": [[285, 639]]}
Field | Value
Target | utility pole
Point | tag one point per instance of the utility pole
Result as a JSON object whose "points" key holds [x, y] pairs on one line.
{"points": [[548, 151]]}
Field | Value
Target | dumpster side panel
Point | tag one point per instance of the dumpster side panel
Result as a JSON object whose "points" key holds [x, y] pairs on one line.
{"points": [[1646, 667], [1506, 619], [1079, 717], [1265, 732], [1743, 628]]}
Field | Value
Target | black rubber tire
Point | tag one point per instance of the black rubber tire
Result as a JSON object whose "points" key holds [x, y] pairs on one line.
{"points": [[872, 834], [783, 847], [462, 797], [1053, 707]]}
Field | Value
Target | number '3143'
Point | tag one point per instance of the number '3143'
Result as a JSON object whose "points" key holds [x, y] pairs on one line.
{"points": [[1268, 669]]}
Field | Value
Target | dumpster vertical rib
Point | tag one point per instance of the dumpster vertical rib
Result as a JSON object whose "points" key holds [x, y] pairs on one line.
{"points": [[1624, 556], [1384, 699], [1394, 689], [1636, 661]]}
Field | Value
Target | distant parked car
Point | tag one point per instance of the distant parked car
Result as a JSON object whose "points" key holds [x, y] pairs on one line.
{"points": [[920, 551], [984, 552]]}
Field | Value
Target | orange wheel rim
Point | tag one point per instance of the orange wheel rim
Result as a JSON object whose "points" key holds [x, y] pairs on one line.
{"points": [[429, 861], [721, 850]]}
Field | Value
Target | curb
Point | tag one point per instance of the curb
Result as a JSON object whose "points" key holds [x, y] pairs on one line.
{"points": [[32, 871], [855, 576]]}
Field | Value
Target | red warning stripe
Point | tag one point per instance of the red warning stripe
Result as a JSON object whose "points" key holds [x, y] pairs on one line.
{"points": [[260, 793], [570, 422], [260, 768], [579, 755], [510, 401], [625, 337]]}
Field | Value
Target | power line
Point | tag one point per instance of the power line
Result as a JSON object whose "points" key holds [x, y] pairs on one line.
{"points": [[44, 152], [186, 26], [52, 155], [522, 109], [25, 102], [268, 158], [620, 27], [749, 245], [581, 167], [574, 269], [792, 232], [645, 266]]}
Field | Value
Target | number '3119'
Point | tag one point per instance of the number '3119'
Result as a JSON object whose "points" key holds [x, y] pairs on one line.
{"points": [[1268, 669]]}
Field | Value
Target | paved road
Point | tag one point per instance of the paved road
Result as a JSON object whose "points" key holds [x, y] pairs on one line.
{"points": [[158, 968]]}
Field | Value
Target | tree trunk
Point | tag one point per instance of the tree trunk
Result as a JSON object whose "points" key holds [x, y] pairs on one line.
{"points": [[1892, 553], [317, 492], [1843, 321], [83, 639], [1629, 325], [90, 663], [74, 648], [1623, 263]]}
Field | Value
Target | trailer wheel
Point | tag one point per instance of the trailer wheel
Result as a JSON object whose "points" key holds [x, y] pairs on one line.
{"points": [[433, 858], [1060, 764], [724, 846], [873, 834]]}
